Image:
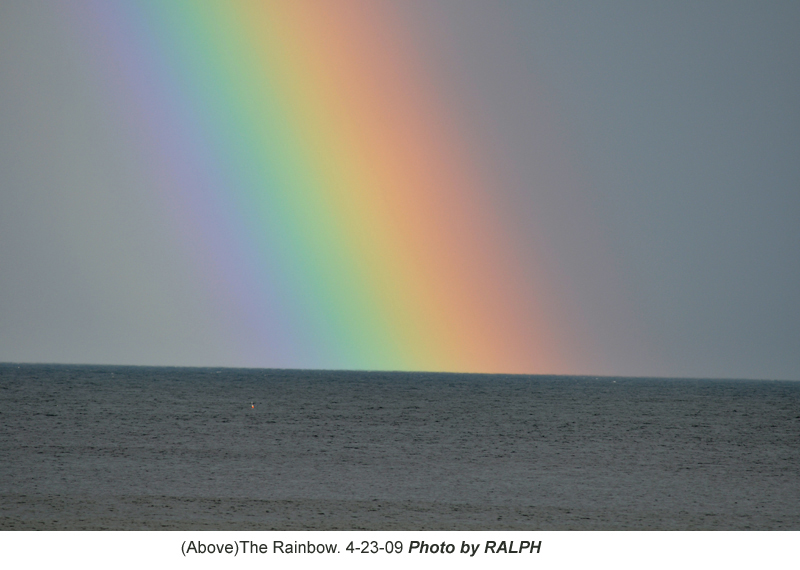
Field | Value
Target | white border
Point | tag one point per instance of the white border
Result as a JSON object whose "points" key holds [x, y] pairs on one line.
{"points": [[579, 550]]}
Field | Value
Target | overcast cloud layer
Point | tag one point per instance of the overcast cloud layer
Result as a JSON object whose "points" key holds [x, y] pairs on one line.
{"points": [[669, 134]]}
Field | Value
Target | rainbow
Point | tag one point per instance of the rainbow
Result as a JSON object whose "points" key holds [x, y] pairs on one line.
{"points": [[321, 185]]}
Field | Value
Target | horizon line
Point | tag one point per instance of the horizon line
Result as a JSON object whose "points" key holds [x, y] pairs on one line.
{"points": [[365, 371]]}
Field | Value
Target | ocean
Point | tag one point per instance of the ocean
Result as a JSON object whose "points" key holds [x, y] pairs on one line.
{"points": [[117, 447]]}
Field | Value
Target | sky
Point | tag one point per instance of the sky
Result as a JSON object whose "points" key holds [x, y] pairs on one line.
{"points": [[604, 188]]}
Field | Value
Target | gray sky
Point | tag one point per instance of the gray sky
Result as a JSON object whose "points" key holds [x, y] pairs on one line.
{"points": [[679, 125], [655, 145]]}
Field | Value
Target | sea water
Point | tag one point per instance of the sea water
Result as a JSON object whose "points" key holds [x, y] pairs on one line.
{"points": [[105, 447]]}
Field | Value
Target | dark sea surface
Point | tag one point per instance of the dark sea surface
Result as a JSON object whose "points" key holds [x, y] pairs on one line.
{"points": [[103, 447]]}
